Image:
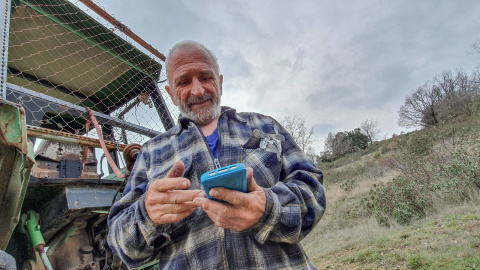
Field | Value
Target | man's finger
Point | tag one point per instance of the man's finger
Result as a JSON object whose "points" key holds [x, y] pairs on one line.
{"points": [[171, 208], [167, 184], [174, 197], [251, 184], [232, 196], [171, 218], [176, 170], [206, 204]]}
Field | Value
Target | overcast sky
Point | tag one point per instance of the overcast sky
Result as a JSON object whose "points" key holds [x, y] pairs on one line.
{"points": [[337, 63]]}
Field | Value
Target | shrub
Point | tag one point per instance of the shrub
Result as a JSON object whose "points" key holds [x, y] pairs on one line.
{"points": [[420, 145], [463, 173], [399, 199], [449, 171], [348, 185]]}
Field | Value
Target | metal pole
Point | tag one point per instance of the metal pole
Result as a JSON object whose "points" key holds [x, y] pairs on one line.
{"points": [[5, 26], [161, 107], [160, 104], [122, 28]]}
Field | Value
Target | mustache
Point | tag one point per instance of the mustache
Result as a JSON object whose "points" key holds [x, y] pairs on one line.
{"points": [[197, 100]]}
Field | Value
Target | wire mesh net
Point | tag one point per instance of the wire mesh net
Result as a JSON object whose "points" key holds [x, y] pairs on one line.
{"points": [[64, 60]]}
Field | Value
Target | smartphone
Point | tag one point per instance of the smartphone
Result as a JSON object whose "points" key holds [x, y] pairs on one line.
{"points": [[231, 177]]}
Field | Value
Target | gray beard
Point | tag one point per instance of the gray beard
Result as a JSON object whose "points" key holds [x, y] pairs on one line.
{"points": [[202, 116]]}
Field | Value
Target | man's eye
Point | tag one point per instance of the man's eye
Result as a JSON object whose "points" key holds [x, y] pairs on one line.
{"points": [[184, 82], [206, 79]]}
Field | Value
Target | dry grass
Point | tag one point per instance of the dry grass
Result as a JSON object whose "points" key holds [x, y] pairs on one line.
{"points": [[345, 222], [336, 195], [446, 240], [325, 240], [348, 237]]}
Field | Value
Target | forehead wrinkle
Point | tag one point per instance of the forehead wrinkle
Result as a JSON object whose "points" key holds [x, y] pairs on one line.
{"points": [[187, 55]]}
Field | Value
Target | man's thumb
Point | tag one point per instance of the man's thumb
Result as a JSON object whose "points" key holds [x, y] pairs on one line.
{"points": [[176, 170], [251, 184]]}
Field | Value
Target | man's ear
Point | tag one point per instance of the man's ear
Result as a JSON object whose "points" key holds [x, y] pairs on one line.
{"points": [[221, 84], [167, 87]]}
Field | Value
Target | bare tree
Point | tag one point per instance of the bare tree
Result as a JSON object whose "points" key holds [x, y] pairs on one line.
{"points": [[456, 95], [446, 97], [419, 107], [467, 89], [370, 128], [297, 127]]}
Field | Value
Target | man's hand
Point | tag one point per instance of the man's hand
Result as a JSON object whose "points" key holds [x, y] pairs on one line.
{"points": [[167, 201], [244, 210]]}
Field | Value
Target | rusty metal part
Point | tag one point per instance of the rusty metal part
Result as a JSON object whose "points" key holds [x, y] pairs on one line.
{"points": [[34, 264], [44, 257], [45, 169], [122, 28], [130, 155], [65, 137], [65, 248], [56, 151], [50, 155]]}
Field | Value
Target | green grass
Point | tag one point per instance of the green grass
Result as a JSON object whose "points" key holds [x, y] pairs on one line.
{"points": [[437, 242]]}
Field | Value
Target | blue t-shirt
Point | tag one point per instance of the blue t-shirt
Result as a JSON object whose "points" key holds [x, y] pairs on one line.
{"points": [[212, 141]]}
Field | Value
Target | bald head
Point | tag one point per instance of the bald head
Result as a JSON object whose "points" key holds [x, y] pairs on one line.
{"points": [[194, 82], [189, 48]]}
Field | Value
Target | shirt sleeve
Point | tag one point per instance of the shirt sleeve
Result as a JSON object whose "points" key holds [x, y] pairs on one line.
{"points": [[132, 235], [296, 203]]}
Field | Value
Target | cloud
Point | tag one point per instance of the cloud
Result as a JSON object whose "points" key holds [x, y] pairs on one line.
{"points": [[337, 62]]}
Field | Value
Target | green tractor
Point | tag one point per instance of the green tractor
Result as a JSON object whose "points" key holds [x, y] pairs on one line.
{"points": [[77, 99]]}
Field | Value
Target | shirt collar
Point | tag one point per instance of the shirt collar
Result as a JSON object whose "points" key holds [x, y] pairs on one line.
{"points": [[231, 113]]}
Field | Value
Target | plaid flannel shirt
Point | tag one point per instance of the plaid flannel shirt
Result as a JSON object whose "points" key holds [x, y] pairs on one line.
{"points": [[295, 199]]}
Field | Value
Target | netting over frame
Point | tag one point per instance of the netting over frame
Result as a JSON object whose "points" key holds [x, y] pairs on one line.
{"points": [[64, 60]]}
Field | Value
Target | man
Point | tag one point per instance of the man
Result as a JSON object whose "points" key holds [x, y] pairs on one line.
{"points": [[164, 214]]}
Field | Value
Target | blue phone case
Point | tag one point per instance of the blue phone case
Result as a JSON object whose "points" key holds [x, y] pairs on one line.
{"points": [[231, 177]]}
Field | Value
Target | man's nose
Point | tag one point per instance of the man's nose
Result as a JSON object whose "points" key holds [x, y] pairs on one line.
{"points": [[197, 87]]}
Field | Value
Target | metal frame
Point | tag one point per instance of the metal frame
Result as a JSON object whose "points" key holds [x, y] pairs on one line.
{"points": [[63, 202], [5, 26], [79, 111]]}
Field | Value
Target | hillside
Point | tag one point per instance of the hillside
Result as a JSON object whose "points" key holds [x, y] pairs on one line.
{"points": [[409, 202]]}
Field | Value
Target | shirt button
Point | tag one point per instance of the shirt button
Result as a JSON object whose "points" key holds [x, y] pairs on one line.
{"points": [[267, 164]]}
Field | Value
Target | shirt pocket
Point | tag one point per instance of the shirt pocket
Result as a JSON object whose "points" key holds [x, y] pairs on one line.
{"points": [[263, 152]]}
